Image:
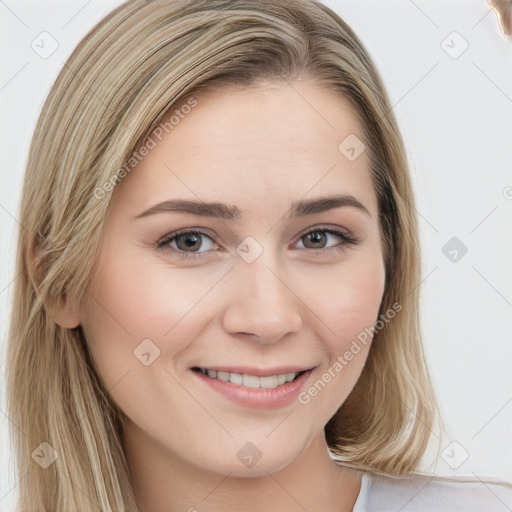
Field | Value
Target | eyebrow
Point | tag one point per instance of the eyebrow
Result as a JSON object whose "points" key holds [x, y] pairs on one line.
{"points": [[232, 213]]}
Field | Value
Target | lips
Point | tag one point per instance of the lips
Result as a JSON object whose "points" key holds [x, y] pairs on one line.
{"points": [[253, 390]]}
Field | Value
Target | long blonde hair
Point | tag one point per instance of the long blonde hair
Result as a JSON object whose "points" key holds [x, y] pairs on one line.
{"points": [[141, 61]]}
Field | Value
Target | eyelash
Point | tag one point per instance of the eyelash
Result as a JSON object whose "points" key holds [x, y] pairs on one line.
{"points": [[163, 243]]}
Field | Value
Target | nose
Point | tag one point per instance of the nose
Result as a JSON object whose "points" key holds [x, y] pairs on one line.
{"points": [[262, 303]]}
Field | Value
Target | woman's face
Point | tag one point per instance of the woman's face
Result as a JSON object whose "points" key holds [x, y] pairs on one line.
{"points": [[257, 289]]}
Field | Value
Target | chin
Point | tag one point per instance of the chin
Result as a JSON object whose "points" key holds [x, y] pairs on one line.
{"points": [[250, 460]]}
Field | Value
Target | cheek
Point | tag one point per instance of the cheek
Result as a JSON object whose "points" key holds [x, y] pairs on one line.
{"points": [[351, 309], [136, 299], [351, 301]]}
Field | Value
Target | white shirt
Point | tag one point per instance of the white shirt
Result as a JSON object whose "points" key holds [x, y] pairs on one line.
{"points": [[422, 493]]}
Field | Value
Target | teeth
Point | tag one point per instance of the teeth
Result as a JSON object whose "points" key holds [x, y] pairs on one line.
{"points": [[223, 376], [269, 382], [236, 378], [251, 381]]}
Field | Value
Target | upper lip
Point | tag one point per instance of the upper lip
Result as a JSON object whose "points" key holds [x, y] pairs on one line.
{"points": [[259, 372]]}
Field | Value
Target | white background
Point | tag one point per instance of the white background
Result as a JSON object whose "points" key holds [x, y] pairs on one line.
{"points": [[456, 118]]}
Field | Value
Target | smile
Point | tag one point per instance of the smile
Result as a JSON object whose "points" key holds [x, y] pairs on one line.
{"points": [[251, 381], [274, 388]]}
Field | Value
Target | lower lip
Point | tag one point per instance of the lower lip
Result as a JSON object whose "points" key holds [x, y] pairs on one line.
{"points": [[258, 398]]}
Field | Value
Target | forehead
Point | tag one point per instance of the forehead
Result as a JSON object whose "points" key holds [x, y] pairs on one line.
{"points": [[255, 144]]}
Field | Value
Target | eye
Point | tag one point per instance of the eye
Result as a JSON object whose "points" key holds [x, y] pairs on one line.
{"points": [[319, 239], [186, 243]]}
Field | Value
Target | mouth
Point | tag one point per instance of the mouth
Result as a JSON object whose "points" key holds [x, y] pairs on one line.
{"points": [[249, 380]]}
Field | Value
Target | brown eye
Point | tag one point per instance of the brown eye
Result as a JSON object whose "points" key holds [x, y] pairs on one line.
{"points": [[316, 238], [191, 241], [322, 239], [187, 244]]}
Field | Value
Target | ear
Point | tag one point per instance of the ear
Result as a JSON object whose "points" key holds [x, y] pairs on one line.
{"points": [[63, 312]]}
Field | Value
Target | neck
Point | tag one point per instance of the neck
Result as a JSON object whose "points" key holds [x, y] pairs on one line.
{"points": [[163, 482]]}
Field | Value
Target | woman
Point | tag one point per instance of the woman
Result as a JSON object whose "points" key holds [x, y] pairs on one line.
{"points": [[218, 300]]}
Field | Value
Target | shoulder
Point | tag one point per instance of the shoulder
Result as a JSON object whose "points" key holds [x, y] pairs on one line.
{"points": [[427, 493]]}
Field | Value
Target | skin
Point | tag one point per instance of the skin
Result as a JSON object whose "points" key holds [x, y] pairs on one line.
{"points": [[259, 149]]}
